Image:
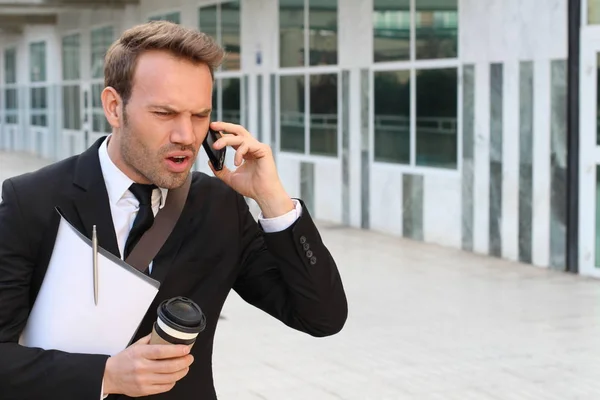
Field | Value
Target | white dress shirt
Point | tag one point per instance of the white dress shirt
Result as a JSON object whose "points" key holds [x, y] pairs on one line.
{"points": [[124, 205]]}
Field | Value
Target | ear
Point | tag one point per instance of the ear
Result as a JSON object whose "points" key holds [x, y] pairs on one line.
{"points": [[113, 106]]}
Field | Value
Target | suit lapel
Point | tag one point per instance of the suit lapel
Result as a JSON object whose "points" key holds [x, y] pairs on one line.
{"points": [[91, 199]]}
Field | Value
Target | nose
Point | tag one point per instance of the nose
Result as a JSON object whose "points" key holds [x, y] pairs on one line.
{"points": [[183, 131]]}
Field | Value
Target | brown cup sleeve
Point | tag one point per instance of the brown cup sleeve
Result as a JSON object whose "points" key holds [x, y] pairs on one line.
{"points": [[155, 337]]}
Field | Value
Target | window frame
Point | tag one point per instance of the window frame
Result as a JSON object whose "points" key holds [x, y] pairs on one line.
{"points": [[306, 38], [306, 71], [10, 86], [413, 65], [97, 81], [38, 85], [219, 26], [218, 85], [220, 73], [73, 82]]}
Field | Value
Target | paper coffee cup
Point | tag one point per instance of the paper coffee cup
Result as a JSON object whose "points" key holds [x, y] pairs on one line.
{"points": [[179, 321]]}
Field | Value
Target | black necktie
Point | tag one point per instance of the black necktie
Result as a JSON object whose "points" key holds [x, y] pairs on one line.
{"points": [[145, 217]]}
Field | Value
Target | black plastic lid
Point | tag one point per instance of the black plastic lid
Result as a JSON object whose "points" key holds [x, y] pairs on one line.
{"points": [[182, 314]]}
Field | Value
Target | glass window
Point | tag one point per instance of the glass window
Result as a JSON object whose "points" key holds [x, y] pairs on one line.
{"points": [[11, 105], [102, 39], [315, 44], [231, 34], [323, 114], [598, 98], [593, 11], [392, 116], [171, 17], [10, 66], [208, 21], [291, 33], [323, 120], [38, 98], [436, 29], [222, 22], [437, 104], [10, 98], [597, 247], [99, 122], [71, 98], [323, 32], [292, 119], [231, 100], [37, 60], [391, 30], [39, 105], [433, 132], [71, 57]]}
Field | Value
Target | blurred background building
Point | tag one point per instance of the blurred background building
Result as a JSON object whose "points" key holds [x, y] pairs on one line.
{"points": [[443, 121]]}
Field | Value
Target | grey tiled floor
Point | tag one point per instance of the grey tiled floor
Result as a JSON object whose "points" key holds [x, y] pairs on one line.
{"points": [[424, 323]]}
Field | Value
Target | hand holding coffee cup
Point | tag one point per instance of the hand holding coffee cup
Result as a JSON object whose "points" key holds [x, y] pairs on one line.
{"points": [[144, 370], [179, 321]]}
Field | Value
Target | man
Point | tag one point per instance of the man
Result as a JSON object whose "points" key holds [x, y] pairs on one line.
{"points": [[158, 79]]}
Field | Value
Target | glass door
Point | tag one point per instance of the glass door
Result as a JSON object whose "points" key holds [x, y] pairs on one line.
{"points": [[10, 100], [101, 39], [72, 140], [589, 171], [38, 137]]}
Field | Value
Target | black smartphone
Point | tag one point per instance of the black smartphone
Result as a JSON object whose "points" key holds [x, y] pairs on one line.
{"points": [[216, 157]]}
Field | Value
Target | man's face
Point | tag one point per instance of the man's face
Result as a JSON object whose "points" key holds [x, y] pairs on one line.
{"points": [[165, 120]]}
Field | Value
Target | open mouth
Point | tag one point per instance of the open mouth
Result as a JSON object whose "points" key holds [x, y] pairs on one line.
{"points": [[178, 160]]}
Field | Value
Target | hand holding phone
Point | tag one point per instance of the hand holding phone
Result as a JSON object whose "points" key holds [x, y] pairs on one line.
{"points": [[216, 157]]}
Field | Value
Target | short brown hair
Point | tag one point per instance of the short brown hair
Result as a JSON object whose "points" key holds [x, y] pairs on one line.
{"points": [[190, 44]]}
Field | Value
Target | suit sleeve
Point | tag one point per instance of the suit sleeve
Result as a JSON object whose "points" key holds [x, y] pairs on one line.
{"points": [[291, 275], [32, 373]]}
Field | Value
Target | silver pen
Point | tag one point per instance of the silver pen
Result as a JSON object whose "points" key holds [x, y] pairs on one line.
{"points": [[95, 262]]}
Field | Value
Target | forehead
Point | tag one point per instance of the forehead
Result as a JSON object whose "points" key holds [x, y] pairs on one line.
{"points": [[161, 76]]}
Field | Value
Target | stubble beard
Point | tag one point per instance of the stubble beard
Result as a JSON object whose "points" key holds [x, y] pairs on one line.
{"points": [[147, 163]]}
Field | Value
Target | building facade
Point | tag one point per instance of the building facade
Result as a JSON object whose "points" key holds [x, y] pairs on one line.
{"points": [[443, 121]]}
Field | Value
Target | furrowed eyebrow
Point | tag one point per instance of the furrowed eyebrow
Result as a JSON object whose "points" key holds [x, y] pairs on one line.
{"points": [[204, 112], [163, 108]]}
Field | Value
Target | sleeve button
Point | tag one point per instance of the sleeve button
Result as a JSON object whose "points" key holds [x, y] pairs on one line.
{"points": [[306, 246], [302, 239], [309, 253], [313, 260]]}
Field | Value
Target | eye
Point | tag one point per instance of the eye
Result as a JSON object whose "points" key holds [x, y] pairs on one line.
{"points": [[162, 113]]}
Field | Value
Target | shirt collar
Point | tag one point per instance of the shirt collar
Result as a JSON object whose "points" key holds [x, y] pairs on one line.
{"points": [[117, 183]]}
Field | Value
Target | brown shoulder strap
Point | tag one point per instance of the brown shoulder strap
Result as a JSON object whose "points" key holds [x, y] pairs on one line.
{"points": [[164, 222]]}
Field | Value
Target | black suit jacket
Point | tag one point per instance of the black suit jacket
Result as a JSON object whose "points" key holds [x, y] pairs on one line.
{"points": [[216, 246]]}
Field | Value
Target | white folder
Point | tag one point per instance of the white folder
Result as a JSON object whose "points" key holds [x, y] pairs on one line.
{"points": [[64, 316]]}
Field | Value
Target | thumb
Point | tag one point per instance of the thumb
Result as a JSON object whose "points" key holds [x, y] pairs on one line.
{"points": [[224, 174]]}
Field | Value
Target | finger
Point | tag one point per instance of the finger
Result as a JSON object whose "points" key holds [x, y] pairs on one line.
{"points": [[240, 153], [233, 129], [229, 140], [163, 379], [172, 365], [163, 351]]}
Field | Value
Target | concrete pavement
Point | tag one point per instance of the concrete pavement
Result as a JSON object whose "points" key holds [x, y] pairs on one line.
{"points": [[424, 323]]}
